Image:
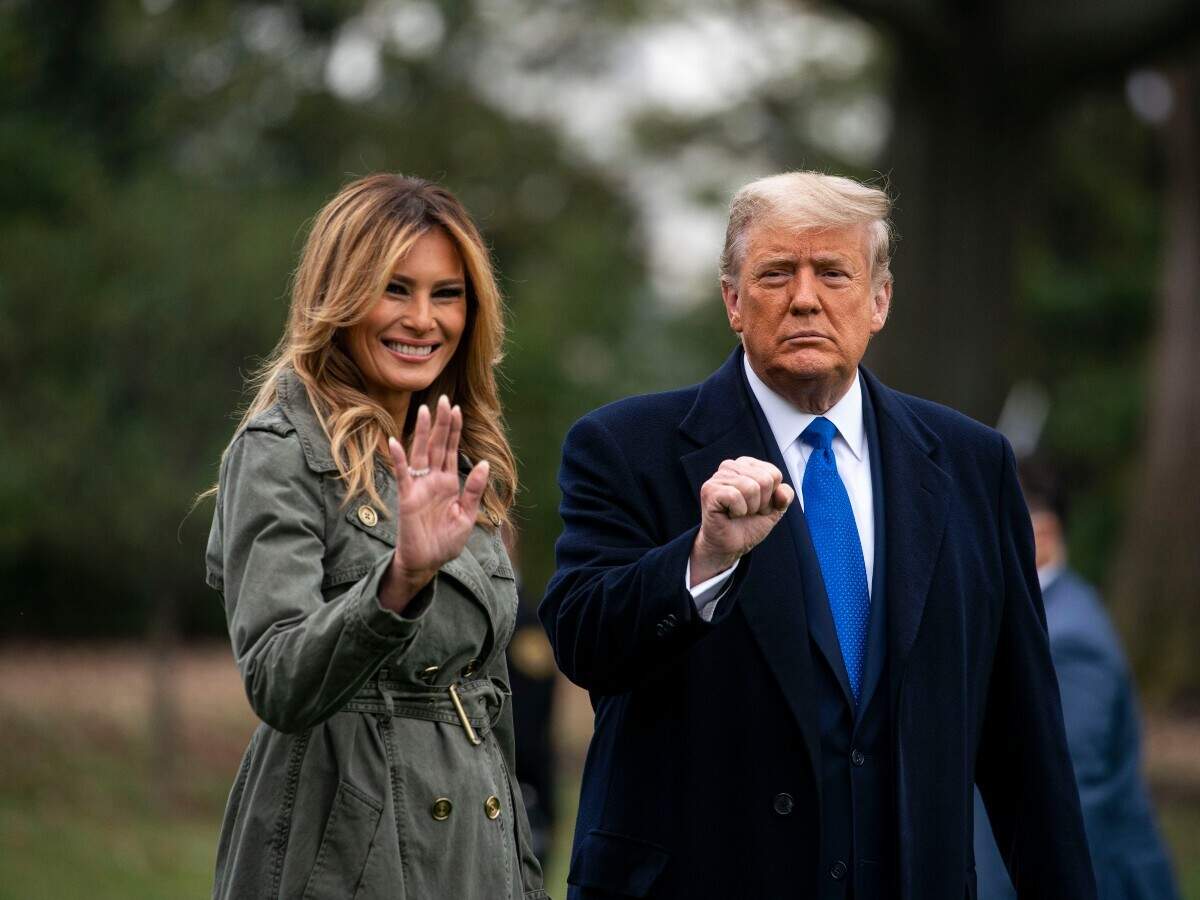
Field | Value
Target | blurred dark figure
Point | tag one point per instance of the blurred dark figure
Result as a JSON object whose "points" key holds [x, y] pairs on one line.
{"points": [[1100, 711], [532, 675]]}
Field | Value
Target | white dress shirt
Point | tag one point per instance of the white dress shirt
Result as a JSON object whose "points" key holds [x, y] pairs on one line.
{"points": [[850, 452]]}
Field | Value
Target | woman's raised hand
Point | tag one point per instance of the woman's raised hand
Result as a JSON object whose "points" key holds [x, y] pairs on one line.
{"points": [[433, 517]]}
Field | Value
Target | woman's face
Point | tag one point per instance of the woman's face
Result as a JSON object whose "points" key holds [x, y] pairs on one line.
{"points": [[413, 330]]}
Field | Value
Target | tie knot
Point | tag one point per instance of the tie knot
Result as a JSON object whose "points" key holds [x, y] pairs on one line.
{"points": [[819, 433]]}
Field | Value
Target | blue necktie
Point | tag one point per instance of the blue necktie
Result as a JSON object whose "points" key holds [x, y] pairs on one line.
{"points": [[839, 551]]}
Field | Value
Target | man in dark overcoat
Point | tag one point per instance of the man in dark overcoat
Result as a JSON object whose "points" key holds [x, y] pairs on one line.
{"points": [[806, 607]]}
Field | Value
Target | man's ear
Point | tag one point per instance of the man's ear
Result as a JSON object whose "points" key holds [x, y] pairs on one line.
{"points": [[881, 305], [729, 293]]}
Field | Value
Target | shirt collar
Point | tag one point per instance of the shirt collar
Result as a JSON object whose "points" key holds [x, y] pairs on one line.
{"points": [[1047, 575], [788, 423]]}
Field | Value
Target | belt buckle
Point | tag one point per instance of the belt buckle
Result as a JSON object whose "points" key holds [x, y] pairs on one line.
{"points": [[452, 689]]}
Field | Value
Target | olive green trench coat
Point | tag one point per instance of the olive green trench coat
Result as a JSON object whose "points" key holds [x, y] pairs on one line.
{"points": [[383, 767]]}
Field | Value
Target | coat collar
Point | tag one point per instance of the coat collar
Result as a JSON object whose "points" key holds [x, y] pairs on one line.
{"points": [[916, 494], [297, 407]]}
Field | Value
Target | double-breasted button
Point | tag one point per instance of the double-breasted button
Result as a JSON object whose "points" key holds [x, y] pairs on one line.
{"points": [[838, 871], [441, 809], [491, 807], [784, 804], [671, 621], [368, 516], [857, 757]]}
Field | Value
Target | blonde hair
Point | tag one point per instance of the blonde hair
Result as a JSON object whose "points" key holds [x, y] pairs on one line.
{"points": [[802, 201], [355, 243]]}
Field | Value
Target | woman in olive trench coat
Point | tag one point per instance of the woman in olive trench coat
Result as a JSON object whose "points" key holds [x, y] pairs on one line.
{"points": [[369, 605]]}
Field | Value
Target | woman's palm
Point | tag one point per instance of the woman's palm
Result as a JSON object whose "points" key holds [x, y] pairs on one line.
{"points": [[433, 518]]}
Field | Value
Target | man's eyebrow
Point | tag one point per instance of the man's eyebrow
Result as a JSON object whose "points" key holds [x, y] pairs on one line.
{"points": [[833, 258], [782, 260]]}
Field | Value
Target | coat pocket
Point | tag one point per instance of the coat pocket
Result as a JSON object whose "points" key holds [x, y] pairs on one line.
{"points": [[349, 835], [621, 865]]}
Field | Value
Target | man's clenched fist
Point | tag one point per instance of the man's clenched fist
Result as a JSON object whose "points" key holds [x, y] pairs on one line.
{"points": [[739, 505]]}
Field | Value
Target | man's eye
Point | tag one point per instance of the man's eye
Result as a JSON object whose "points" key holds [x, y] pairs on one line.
{"points": [[835, 273]]}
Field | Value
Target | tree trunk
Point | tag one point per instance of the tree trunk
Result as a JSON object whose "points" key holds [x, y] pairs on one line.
{"points": [[1156, 588], [954, 166]]}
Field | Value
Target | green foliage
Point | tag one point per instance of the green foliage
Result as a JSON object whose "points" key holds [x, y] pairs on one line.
{"points": [[155, 192], [1088, 276]]}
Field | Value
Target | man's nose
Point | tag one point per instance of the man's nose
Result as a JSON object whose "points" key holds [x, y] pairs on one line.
{"points": [[804, 298]]}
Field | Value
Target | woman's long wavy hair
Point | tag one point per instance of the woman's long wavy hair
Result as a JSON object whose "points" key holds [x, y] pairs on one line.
{"points": [[356, 242]]}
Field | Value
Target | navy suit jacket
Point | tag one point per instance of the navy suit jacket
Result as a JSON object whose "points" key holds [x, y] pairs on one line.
{"points": [[1100, 711], [701, 726]]}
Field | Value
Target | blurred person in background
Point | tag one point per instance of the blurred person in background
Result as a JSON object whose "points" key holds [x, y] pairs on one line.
{"points": [[803, 710], [1101, 717], [533, 676], [368, 594]]}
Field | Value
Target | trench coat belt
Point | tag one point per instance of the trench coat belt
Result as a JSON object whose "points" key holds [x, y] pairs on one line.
{"points": [[480, 703]]}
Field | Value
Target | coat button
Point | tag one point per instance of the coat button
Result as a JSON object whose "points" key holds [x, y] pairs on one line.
{"points": [[441, 809], [784, 804], [857, 757], [491, 806], [470, 668], [837, 871], [368, 516]]}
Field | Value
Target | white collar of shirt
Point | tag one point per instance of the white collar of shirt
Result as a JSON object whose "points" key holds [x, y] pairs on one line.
{"points": [[1047, 575], [788, 423]]}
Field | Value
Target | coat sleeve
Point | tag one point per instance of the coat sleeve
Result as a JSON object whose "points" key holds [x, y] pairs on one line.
{"points": [[617, 608], [1023, 768], [301, 656]]}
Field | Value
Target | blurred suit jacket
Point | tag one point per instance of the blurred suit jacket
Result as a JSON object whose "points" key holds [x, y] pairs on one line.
{"points": [[1100, 712]]}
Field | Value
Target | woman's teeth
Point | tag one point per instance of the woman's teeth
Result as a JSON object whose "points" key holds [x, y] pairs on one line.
{"points": [[409, 349]]}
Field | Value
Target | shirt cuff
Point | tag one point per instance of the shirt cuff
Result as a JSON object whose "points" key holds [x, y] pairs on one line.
{"points": [[706, 594]]}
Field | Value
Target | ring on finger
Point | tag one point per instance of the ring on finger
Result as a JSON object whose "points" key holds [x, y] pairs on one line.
{"points": [[418, 473]]}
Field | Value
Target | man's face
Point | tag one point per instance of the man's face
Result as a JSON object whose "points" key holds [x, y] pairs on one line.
{"points": [[805, 306]]}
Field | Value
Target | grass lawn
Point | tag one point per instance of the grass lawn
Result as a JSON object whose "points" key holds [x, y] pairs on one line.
{"points": [[86, 812]]}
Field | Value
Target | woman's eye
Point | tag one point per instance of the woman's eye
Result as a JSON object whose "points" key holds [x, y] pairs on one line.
{"points": [[448, 293], [396, 288]]}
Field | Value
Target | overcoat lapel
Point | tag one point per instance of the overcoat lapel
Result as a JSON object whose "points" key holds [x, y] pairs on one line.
{"points": [[722, 422], [916, 501], [877, 626]]}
